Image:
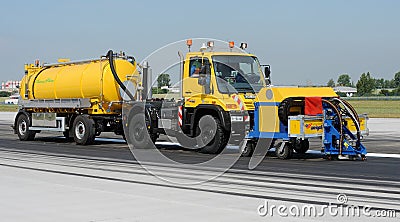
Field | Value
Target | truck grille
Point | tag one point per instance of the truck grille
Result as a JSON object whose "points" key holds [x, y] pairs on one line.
{"points": [[249, 105]]}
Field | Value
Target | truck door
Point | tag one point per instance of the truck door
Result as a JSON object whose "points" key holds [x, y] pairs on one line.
{"points": [[196, 67]]}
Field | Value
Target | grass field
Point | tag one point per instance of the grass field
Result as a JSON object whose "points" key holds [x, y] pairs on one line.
{"points": [[374, 108], [7, 108], [377, 108]]}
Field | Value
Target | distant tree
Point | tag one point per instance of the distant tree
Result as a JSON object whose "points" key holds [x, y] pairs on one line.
{"points": [[156, 90], [344, 80], [5, 94], [396, 92], [388, 84], [386, 92], [331, 83], [365, 84], [396, 79], [379, 83], [163, 80]]}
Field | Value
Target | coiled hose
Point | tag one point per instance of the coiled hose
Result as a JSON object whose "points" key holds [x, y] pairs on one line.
{"points": [[340, 123], [110, 56], [353, 116]]}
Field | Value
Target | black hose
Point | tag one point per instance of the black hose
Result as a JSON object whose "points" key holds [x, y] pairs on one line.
{"points": [[351, 108], [356, 121], [110, 56], [340, 123]]}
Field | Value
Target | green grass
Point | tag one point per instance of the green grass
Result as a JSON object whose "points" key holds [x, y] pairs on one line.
{"points": [[377, 108], [7, 108]]}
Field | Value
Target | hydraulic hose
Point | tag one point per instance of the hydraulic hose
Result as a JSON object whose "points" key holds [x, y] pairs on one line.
{"points": [[352, 109], [354, 117], [340, 123], [110, 56]]}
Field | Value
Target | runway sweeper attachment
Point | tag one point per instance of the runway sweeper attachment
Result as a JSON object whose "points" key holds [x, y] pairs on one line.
{"points": [[333, 120]]}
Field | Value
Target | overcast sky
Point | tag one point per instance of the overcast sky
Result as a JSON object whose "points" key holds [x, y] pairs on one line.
{"points": [[306, 42]]}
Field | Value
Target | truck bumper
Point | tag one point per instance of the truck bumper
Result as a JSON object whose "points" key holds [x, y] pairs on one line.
{"points": [[240, 126]]}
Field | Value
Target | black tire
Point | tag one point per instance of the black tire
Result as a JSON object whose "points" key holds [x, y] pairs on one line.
{"points": [[138, 135], [249, 149], [219, 141], [22, 126], [301, 146], [84, 130], [283, 152], [284, 110]]}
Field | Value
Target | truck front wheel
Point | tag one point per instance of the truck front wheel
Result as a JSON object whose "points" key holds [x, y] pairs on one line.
{"points": [[219, 140], [23, 131], [84, 130]]}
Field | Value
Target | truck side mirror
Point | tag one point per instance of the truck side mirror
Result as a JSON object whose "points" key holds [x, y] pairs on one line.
{"points": [[204, 80], [201, 80], [267, 73]]}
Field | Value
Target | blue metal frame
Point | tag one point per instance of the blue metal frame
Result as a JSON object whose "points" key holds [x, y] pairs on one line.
{"points": [[331, 134]]}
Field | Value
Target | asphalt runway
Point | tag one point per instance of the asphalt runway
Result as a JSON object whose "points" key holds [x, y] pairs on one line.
{"points": [[53, 179]]}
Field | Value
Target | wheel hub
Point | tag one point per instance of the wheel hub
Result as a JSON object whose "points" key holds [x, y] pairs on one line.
{"points": [[80, 130], [22, 127], [139, 132]]}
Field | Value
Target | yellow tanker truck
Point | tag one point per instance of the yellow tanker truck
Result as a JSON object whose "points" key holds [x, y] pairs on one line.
{"points": [[226, 98], [80, 99]]}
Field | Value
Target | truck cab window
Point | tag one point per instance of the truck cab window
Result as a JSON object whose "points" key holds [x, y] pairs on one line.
{"points": [[238, 73], [198, 66]]}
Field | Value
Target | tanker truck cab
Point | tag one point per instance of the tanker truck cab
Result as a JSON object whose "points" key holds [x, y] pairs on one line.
{"points": [[223, 85], [220, 86]]}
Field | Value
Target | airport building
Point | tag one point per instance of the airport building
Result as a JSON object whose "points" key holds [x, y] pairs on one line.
{"points": [[10, 85]]}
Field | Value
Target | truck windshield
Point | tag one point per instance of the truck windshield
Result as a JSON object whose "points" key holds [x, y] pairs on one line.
{"points": [[238, 73]]}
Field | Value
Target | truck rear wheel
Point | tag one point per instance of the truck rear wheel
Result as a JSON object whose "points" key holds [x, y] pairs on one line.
{"points": [[138, 135], [218, 143], [84, 130], [23, 131]]}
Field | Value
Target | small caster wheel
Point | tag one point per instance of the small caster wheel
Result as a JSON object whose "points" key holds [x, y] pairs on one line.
{"points": [[283, 150], [248, 149], [363, 158]]}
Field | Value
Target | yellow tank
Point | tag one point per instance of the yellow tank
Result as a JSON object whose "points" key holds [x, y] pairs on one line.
{"points": [[92, 79]]}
